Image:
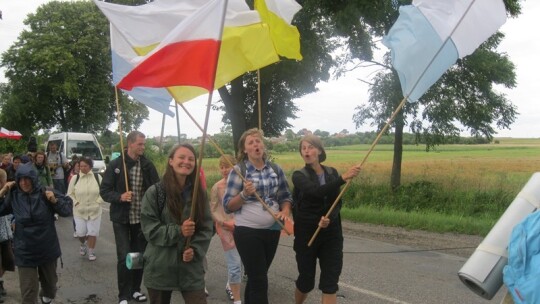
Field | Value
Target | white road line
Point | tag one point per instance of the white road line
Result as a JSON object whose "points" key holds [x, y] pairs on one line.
{"points": [[372, 294]]}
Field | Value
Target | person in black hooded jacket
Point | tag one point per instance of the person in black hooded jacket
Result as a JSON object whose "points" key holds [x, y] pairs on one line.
{"points": [[36, 244], [316, 187]]}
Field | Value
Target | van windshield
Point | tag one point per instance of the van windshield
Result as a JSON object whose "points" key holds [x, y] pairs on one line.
{"points": [[83, 148]]}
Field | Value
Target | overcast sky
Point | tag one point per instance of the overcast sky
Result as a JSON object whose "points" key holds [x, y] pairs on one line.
{"points": [[331, 108]]}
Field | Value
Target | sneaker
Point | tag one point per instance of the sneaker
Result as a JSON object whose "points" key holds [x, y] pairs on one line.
{"points": [[139, 297], [83, 250], [45, 300], [56, 216], [123, 302], [75, 234], [229, 293], [92, 256], [206, 291]]}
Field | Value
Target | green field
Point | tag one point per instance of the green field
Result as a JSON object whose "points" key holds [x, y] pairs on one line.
{"points": [[455, 188]]}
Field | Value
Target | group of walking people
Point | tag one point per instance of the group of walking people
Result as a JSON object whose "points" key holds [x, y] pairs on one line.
{"points": [[154, 216], [244, 206]]}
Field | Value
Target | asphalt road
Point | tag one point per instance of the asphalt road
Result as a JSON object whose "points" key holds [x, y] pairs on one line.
{"points": [[373, 272]]}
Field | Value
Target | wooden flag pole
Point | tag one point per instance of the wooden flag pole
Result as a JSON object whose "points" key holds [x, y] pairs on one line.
{"points": [[201, 155], [177, 121], [204, 130], [266, 207], [399, 107], [162, 133], [119, 119], [259, 98]]}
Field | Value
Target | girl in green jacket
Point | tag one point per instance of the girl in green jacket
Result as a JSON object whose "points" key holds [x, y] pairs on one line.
{"points": [[177, 244]]}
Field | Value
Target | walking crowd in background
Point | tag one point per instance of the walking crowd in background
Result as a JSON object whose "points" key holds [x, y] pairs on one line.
{"points": [[171, 220]]}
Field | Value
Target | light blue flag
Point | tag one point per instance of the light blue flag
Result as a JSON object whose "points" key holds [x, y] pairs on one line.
{"points": [[430, 35], [418, 54]]}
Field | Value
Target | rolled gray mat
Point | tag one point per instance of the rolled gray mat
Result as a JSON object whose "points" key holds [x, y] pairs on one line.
{"points": [[482, 273]]}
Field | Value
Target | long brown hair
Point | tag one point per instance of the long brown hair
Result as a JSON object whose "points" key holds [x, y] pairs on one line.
{"points": [[175, 202], [45, 163]]}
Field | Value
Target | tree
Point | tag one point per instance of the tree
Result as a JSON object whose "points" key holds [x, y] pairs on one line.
{"points": [[321, 134], [59, 73], [289, 134], [464, 96]]}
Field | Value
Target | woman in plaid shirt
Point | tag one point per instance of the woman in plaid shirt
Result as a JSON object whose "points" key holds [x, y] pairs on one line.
{"points": [[256, 233]]}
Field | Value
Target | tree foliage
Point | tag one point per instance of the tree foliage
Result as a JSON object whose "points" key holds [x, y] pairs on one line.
{"points": [[59, 73]]}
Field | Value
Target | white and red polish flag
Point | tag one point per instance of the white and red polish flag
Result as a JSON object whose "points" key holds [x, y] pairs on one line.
{"points": [[187, 56]]}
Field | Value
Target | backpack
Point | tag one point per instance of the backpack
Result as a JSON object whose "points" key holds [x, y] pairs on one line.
{"points": [[95, 176], [522, 274]]}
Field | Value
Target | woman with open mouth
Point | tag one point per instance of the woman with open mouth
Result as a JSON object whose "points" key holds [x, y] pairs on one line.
{"points": [[256, 232], [316, 187]]}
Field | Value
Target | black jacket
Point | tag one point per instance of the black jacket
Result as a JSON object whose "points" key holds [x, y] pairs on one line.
{"points": [[35, 239], [311, 200], [113, 185]]}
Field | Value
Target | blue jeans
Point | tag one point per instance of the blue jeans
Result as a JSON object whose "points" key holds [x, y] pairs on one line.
{"points": [[128, 238], [257, 248], [234, 266]]}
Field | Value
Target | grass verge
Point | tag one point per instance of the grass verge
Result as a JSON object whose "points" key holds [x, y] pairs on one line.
{"points": [[421, 220]]}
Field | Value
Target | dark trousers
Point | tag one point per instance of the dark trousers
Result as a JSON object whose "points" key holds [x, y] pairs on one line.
{"points": [[31, 277], [164, 296], [327, 248], [257, 248], [128, 238]]}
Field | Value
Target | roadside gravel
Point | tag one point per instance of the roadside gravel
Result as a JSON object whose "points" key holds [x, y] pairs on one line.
{"points": [[451, 243]]}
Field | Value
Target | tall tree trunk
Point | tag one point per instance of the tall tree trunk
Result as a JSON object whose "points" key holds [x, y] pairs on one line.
{"points": [[234, 106], [395, 178]]}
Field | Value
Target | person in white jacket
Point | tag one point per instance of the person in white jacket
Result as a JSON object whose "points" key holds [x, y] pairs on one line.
{"points": [[84, 191]]}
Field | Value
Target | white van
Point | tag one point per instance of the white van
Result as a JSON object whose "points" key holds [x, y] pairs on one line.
{"points": [[81, 144]]}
